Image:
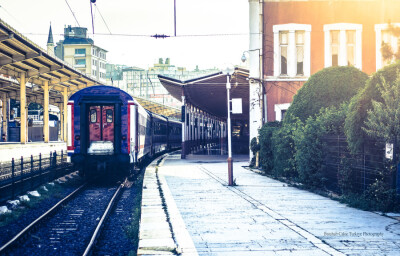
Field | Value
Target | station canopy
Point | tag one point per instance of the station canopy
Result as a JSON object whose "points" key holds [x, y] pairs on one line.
{"points": [[209, 93], [159, 108], [20, 55]]}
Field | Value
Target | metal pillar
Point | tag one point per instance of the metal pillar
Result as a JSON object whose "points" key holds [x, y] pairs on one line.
{"points": [[65, 114], [5, 116], [22, 102], [191, 135], [46, 130], [230, 160], [184, 119]]}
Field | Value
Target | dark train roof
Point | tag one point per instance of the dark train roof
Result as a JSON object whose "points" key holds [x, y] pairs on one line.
{"points": [[102, 92]]}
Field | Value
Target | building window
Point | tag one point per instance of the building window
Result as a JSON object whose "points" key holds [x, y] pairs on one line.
{"points": [[334, 48], [80, 52], [343, 45], [384, 38], [283, 45], [300, 52], [280, 111], [80, 62], [292, 50]]}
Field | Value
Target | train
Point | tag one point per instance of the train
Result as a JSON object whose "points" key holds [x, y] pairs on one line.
{"points": [[109, 131]]}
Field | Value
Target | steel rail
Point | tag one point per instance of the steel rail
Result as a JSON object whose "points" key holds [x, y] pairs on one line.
{"points": [[36, 222], [103, 218]]}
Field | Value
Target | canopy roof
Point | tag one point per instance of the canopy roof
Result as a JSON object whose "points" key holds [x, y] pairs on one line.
{"points": [[159, 108], [208, 93], [20, 55]]}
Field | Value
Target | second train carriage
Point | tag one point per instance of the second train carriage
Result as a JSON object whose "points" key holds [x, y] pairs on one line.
{"points": [[109, 130]]}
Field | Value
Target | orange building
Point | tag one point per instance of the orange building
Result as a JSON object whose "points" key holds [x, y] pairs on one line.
{"points": [[302, 37]]}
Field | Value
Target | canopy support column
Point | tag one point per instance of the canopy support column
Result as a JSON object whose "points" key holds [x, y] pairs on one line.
{"points": [[46, 130], [184, 122], [4, 105], [65, 114], [22, 102]]}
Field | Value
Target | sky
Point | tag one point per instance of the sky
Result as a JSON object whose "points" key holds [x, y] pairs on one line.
{"points": [[210, 33]]}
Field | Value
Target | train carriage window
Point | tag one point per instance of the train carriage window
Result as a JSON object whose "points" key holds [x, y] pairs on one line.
{"points": [[93, 116], [109, 116]]}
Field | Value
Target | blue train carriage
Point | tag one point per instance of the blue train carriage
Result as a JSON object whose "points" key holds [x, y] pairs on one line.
{"points": [[159, 127], [174, 134], [143, 132], [102, 130]]}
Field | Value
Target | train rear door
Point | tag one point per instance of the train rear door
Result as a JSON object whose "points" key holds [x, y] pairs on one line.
{"points": [[101, 130]]}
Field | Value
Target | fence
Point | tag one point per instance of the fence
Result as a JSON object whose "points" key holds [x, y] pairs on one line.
{"points": [[35, 133], [355, 172], [23, 174]]}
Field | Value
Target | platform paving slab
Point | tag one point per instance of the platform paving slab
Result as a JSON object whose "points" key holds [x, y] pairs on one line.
{"points": [[156, 235], [262, 216]]}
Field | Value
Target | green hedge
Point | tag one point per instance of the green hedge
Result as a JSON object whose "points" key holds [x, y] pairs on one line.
{"points": [[284, 149], [310, 150], [266, 147]]}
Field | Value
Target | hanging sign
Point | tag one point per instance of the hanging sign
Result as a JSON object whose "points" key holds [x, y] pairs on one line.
{"points": [[237, 106]]}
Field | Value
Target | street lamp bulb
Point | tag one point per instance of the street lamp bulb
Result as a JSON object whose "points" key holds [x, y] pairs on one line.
{"points": [[244, 58], [229, 70]]}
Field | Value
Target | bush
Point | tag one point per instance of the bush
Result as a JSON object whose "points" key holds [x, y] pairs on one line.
{"points": [[362, 102], [283, 150], [266, 147], [310, 150], [328, 87]]}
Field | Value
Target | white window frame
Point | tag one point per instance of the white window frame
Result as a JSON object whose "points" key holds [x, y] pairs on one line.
{"points": [[342, 28], [378, 32], [278, 110], [291, 59]]}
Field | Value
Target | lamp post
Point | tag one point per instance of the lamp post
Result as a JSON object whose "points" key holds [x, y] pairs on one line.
{"points": [[230, 160]]}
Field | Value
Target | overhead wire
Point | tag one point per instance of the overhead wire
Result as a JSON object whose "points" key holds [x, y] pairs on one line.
{"points": [[143, 35], [91, 12], [97, 8], [72, 13], [12, 16]]}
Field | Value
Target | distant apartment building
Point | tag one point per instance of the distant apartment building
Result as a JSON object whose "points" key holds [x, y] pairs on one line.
{"points": [[145, 83], [80, 51], [303, 37]]}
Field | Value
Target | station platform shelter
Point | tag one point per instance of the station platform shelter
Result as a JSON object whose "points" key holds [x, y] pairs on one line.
{"points": [[29, 74], [205, 110]]}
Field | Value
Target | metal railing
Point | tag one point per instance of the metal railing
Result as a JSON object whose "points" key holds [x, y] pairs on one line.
{"points": [[363, 168], [23, 174]]}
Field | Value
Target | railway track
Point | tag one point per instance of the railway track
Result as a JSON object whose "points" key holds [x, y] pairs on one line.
{"points": [[71, 227]]}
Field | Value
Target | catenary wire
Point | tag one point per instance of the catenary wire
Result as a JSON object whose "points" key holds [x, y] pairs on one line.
{"points": [[72, 13], [97, 8]]}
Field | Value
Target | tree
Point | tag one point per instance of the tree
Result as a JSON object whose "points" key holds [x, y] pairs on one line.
{"points": [[328, 87], [383, 119], [362, 102]]}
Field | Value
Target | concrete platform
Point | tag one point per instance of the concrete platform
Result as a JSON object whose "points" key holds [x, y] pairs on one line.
{"points": [[259, 216], [8, 150]]}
